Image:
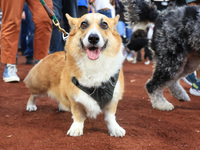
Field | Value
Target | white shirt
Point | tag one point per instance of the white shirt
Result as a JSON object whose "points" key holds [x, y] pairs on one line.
{"points": [[102, 4]]}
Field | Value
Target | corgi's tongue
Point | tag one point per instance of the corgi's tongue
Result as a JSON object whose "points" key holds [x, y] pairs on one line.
{"points": [[93, 54]]}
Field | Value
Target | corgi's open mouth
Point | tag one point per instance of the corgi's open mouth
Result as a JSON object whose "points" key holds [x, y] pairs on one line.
{"points": [[93, 52]]}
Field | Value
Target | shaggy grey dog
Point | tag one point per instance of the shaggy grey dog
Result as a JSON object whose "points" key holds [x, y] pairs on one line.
{"points": [[175, 44]]}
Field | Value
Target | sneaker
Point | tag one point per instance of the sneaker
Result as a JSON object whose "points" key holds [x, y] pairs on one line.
{"points": [[9, 74], [134, 60], [147, 62], [195, 89], [29, 60], [129, 57], [189, 79]]}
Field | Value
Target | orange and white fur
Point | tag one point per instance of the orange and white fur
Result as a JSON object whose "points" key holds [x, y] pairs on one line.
{"points": [[93, 55]]}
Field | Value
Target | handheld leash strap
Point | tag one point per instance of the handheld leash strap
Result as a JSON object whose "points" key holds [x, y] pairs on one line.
{"points": [[102, 94], [54, 20]]}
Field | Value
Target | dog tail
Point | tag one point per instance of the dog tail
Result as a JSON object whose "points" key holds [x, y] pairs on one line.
{"points": [[137, 11]]}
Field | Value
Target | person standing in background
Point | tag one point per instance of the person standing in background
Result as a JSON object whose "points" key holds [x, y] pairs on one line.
{"points": [[104, 7], [57, 43], [27, 34], [10, 29], [70, 7], [60, 8], [82, 7], [123, 28]]}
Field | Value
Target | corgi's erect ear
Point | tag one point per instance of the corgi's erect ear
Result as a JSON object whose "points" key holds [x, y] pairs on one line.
{"points": [[72, 23], [115, 20]]}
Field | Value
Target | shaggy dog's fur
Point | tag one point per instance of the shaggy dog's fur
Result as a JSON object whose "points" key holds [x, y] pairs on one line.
{"points": [[176, 46]]}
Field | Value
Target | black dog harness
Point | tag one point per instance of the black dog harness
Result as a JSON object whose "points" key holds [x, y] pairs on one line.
{"points": [[102, 94]]}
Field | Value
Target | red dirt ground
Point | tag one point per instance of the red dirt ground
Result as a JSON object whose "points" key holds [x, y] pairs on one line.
{"points": [[146, 128]]}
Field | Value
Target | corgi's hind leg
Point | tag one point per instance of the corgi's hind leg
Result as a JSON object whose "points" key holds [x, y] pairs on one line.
{"points": [[31, 104], [63, 107]]}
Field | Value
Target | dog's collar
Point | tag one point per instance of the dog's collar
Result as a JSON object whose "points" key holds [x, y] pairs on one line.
{"points": [[102, 94]]}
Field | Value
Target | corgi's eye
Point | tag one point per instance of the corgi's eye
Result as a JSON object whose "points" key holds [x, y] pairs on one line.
{"points": [[84, 25], [104, 25]]}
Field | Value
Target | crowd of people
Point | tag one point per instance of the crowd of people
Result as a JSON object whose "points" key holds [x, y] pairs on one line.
{"points": [[28, 20]]}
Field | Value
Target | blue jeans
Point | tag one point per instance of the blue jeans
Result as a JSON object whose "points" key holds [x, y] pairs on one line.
{"points": [[123, 29], [70, 7], [27, 34], [106, 12], [61, 7], [57, 43]]}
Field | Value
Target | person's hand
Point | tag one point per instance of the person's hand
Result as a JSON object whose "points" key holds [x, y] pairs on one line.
{"points": [[91, 1], [23, 15]]}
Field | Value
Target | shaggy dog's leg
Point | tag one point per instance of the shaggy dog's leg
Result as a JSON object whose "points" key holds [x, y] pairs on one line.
{"points": [[178, 92], [167, 71], [161, 79], [159, 102], [31, 105]]}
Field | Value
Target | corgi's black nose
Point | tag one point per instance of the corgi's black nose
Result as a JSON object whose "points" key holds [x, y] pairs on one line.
{"points": [[93, 38]]}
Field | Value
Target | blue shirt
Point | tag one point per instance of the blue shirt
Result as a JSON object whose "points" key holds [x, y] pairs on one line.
{"points": [[83, 3]]}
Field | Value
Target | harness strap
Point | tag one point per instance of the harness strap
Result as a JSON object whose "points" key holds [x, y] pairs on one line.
{"points": [[102, 94]]}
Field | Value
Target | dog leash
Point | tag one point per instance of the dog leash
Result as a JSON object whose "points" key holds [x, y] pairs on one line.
{"points": [[55, 21]]}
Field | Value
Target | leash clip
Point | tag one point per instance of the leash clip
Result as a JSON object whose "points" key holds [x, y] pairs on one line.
{"points": [[65, 34]]}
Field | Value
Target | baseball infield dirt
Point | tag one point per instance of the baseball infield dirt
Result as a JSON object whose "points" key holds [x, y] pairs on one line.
{"points": [[146, 128]]}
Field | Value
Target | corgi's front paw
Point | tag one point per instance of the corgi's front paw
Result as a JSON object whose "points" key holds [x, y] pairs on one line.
{"points": [[117, 131], [31, 107], [76, 129]]}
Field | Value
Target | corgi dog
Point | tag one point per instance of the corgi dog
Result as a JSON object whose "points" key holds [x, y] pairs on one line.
{"points": [[87, 79]]}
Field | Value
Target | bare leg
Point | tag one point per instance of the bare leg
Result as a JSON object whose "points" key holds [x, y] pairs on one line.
{"points": [[198, 74]]}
